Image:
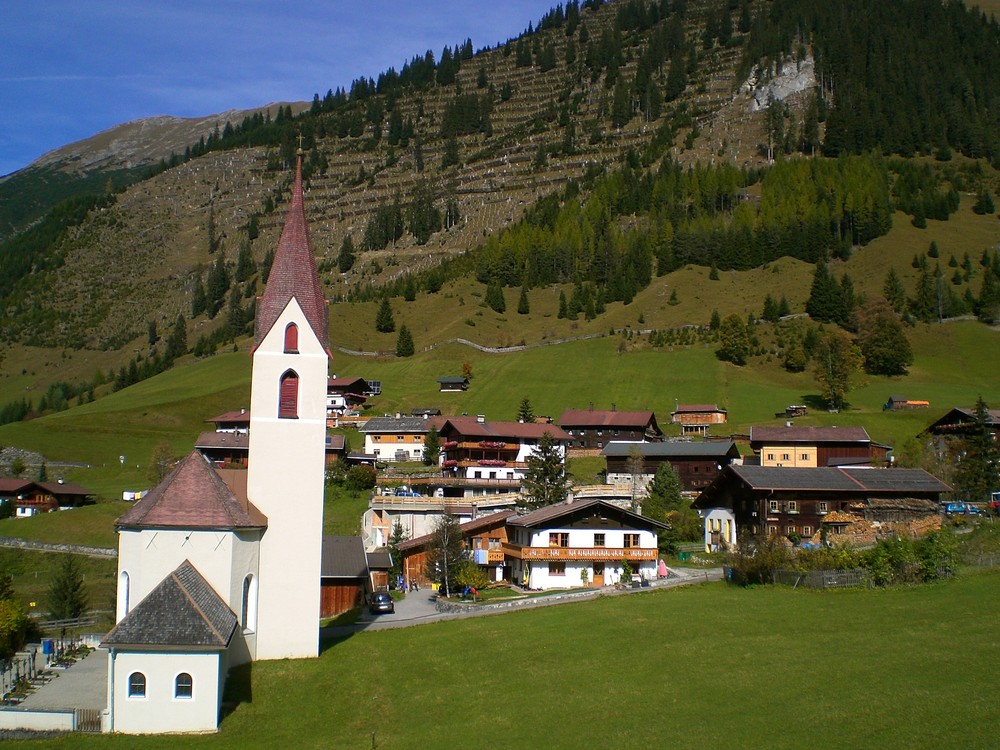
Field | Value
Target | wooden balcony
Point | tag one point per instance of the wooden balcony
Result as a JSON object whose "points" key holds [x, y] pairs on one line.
{"points": [[580, 553], [494, 556]]}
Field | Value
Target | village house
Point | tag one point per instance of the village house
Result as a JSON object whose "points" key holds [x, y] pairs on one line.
{"points": [[483, 537], [580, 543], [793, 446], [395, 438], [418, 514], [26, 498], [947, 433], [207, 578], [697, 419], [749, 500], [591, 429], [480, 458], [697, 463], [344, 395]]}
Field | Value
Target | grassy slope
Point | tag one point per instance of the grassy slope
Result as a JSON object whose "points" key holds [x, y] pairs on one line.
{"points": [[773, 667]]}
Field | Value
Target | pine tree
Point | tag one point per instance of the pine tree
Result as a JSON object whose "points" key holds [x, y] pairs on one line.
{"points": [[524, 412], [432, 447], [893, 291], [67, 597], [523, 307], [978, 472], [494, 297], [199, 300], [345, 259], [395, 539], [545, 481], [177, 341], [404, 342], [445, 553], [384, 322]]}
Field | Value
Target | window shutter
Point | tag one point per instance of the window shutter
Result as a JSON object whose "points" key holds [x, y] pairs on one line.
{"points": [[292, 339], [288, 398]]}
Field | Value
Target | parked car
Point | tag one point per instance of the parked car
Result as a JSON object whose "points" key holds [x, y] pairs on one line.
{"points": [[404, 492], [962, 509], [380, 603]]}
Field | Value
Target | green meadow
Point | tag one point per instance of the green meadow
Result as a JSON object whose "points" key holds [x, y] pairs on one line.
{"points": [[706, 666], [955, 363]]}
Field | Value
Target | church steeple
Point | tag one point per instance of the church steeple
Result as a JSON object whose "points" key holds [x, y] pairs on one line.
{"points": [[293, 273]]}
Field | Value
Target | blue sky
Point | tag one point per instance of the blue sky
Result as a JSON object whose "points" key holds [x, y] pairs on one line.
{"points": [[72, 68]]}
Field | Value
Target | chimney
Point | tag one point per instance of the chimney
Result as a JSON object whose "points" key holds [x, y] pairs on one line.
{"points": [[243, 410], [614, 407], [591, 405], [481, 418]]}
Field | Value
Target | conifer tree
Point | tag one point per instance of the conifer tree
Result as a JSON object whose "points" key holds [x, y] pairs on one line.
{"points": [[384, 322], [404, 342], [978, 472], [345, 259], [523, 307], [432, 447], [524, 412], [67, 597], [545, 481]]}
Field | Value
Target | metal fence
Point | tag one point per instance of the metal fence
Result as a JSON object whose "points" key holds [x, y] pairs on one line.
{"points": [[821, 579]]}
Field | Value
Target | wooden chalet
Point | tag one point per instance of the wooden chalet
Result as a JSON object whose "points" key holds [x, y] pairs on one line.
{"points": [[453, 384], [948, 432], [697, 463], [395, 438], [793, 446], [591, 429], [348, 574], [28, 498], [480, 457], [749, 500], [225, 449], [483, 537], [697, 419]]}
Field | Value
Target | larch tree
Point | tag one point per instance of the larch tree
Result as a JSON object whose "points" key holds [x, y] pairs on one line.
{"points": [[837, 365]]}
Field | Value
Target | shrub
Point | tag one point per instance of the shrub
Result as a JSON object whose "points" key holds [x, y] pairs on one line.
{"points": [[361, 477]]}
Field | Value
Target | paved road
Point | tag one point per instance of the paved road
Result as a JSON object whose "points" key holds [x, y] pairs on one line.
{"points": [[419, 608]]}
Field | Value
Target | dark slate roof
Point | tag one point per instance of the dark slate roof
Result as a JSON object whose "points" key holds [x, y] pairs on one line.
{"points": [[458, 379], [183, 611], [380, 559], [343, 557], [796, 434], [837, 479], [392, 424], [549, 514], [293, 273], [713, 448], [959, 417], [192, 496]]}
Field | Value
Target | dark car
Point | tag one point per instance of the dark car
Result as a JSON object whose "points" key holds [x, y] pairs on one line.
{"points": [[381, 602]]}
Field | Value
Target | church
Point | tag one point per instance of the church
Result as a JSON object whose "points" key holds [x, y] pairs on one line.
{"points": [[215, 572]]}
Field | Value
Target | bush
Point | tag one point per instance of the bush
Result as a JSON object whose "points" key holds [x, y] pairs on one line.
{"points": [[755, 560], [361, 477]]}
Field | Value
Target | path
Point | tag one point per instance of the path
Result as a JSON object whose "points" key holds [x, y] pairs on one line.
{"points": [[82, 685], [420, 607]]}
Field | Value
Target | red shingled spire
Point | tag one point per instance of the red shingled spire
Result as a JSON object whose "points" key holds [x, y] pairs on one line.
{"points": [[293, 273]]}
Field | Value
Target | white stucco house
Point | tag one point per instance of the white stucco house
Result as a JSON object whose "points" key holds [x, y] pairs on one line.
{"points": [[214, 573], [581, 543]]}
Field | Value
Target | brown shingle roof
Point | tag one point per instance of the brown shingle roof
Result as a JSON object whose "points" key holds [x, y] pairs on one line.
{"points": [[223, 440], [192, 496], [604, 418], [796, 434], [8, 485], [240, 416], [472, 427], [543, 516], [469, 527], [293, 273], [697, 408]]}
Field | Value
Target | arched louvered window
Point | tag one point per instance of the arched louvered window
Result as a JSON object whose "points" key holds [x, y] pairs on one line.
{"points": [[288, 396], [292, 339]]}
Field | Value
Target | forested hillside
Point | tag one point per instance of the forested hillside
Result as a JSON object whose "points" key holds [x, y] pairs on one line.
{"points": [[609, 144]]}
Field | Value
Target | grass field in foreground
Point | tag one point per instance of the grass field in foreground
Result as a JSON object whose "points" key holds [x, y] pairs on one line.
{"points": [[706, 666]]}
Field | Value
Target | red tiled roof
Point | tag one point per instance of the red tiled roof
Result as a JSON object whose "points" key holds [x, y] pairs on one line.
{"points": [[293, 273], [472, 427], [192, 496], [604, 418], [809, 435]]}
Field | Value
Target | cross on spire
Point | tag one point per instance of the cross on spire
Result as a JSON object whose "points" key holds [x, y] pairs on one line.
{"points": [[301, 138]]}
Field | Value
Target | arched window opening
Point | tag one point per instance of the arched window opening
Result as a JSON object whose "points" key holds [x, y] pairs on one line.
{"points": [[122, 594], [249, 612], [291, 339], [137, 685], [183, 686], [288, 397]]}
